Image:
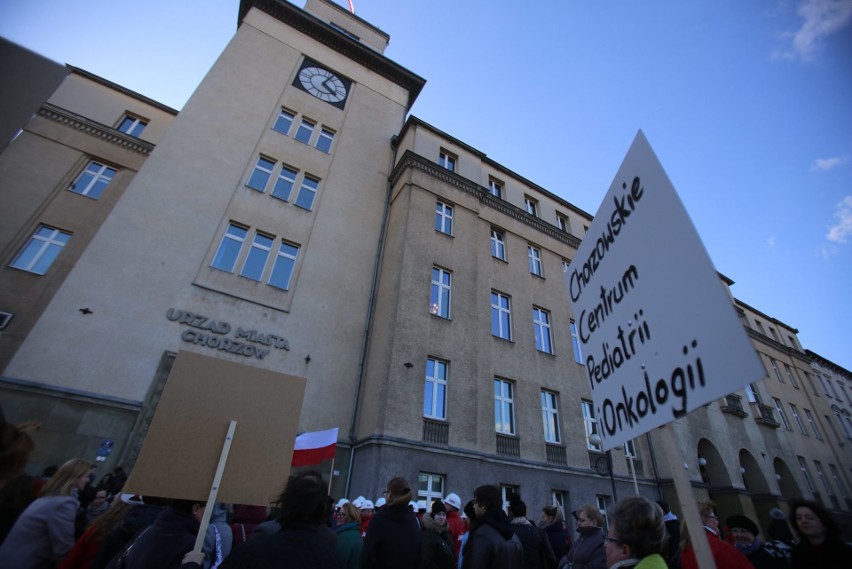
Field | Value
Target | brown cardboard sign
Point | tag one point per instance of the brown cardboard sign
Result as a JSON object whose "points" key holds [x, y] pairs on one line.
{"points": [[184, 442]]}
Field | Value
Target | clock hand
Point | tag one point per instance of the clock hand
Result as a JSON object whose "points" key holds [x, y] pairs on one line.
{"points": [[329, 84]]}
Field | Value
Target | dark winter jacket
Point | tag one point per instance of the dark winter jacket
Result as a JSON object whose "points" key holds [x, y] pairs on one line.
{"points": [[436, 545], [537, 551], [350, 544], [588, 551], [163, 544], [393, 539], [493, 545], [298, 546], [833, 554], [558, 539], [137, 518]]}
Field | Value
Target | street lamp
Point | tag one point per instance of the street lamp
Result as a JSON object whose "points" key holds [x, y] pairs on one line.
{"points": [[596, 440]]}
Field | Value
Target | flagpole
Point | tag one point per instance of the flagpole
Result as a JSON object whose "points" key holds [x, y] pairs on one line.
{"points": [[330, 476]]}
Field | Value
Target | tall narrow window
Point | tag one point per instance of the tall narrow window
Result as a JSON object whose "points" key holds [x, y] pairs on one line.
{"points": [[835, 474], [305, 131], [439, 298], [531, 205], [435, 390], [132, 125], [284, 184], [780, 409], [603, 507], [630, 449], [591, 424], [504, 407], [806, 474], [541, 326], [824, 478], [501, 315], [307, 192], [261, 174], [229, 248], [562, 222], [534, 254], [495, 188], [41, 250], [751, 393], [760, 327], [430, 487], [284, 121], [257, 256], [790, 376], [325, 139], [796, 418], [285, 263], [498, 244], [550, 417], [92, 181], [444, 218], [575, 343], [774, 365], [812, 423], [447, 160]]}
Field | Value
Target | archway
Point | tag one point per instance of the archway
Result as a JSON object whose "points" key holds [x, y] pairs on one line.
{"points": [[753, 479]]}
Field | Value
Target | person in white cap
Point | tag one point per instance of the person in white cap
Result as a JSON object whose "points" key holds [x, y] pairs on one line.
{"points": [[453, 504], [380, 502], [366, 516]]}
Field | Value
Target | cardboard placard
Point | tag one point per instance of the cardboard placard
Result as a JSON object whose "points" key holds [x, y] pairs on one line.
{"points": [[184, 442]]}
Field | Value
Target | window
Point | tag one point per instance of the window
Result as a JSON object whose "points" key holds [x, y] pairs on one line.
{"points": [[5, 318], [751, 393], [430, 487], [535, 260], [41, 250], [829, 391], [562, 222], [435, 390], [285, 262], [630, 449], [504, 407], [845, 393], [824, 478], [439, 298], [506, 491], [591, 424], [780, 409], [790, 376], [501, 315], [307, 192], [495, 188], [284, 184], [92, 181], [498, 244], [305, 131], [810, 381], [774, 365], [844, 422], [760, 327], [132, 125], [838, 481], [444, 218], [812, 423], [824, 385], [603, 507], [774, 334], [324, 140], [284, 121], [796, 418], [806, 473], [261, 174], [531, 205], [550, 417], [229, 248], [257, 256], [559, 498], [575, 343], [541, 326], [447, 160]]}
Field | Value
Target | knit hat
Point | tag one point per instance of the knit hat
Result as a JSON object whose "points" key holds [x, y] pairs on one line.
{"points": [[742, 522], [777, 514], [438, 507]]}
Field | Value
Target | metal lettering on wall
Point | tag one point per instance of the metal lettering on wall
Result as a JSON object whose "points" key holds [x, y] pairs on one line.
{"points": [[214, 334]]}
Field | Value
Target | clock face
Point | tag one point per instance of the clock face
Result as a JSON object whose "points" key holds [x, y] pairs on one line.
{"points": [[322, 84]]}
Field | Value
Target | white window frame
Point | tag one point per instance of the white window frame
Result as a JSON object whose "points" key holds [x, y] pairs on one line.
{"points": [[790, 376], [440, 296], [590, 423], [534, 254], [838, 481], [531, 205], [501, 313], [285, 180], [550, 417], [798, 420], [806, 473], [261, 170], [284, 116], [774, 365], [435, 389], [602, 502], [752, 396], [46, 243], [444, 218], [430, 487], [562, 222], [559, 498], [779, 408], [448, 160], [228, 236], [135, 125], [307, 194], [288, 260], [831, 495], [325, 140], [810, 418], [258, 248], [495, 188], [100, 176], [306, 125], [630, 449], [575, 343], [844, 425], [541, 327], [506, 491], [498, 244], [504, 406]]}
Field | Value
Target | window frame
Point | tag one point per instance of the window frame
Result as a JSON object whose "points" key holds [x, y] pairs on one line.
{"points": [[550, 417], [305, 189], [562, 222], [501, 315], [444, 218], [496, 188], [305, 125], [498, 244], [803, 465], [226, 235], [531, 205], [440, 293], [281, 180], [41, 250], [288, 261], [257, 249], [590, 423], [429, 493], [575, 342], [504, 404], [284, 115], [135, 126], [267, 174], [779, 407], [795, 411], [542, 330], [435, 389], [448, 160], [810, 419], [325, 134], [534, 255], [98, 180]]}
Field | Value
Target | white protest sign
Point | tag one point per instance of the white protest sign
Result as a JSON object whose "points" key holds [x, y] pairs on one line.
{"points": [[658, 331]]}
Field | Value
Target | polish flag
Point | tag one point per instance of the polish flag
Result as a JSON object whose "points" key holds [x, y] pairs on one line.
{"points": [[351, 7], [313, 448]]}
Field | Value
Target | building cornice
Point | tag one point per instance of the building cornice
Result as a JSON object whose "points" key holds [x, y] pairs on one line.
{"points": [[764, 339], [411, 160], [838, 369], [96, 129]]}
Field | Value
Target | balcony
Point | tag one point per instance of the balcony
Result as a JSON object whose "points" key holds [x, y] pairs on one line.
{"points": [[436, 432], [556, 454], [508, 445], [764, 414], [733, 404]]}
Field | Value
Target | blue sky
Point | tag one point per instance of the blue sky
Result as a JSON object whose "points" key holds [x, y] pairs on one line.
{"points": [[748, 106]]}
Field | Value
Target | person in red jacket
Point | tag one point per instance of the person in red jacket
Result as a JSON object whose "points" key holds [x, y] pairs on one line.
{"points": [[726, 555], [453, 504]]}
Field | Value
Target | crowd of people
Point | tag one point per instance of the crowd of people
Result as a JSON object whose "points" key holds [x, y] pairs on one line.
{"points": [[64, 520]]}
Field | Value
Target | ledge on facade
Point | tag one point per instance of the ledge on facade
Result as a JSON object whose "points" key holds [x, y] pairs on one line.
{"points": [[764, 414], [733, 405], [68, 394], [96, 129]]}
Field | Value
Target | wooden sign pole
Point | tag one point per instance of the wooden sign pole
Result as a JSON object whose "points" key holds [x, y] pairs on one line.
{"points": [[214, 489]]}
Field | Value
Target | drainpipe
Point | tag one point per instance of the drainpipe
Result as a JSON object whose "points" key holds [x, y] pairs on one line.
{"points": [[654, 464]]}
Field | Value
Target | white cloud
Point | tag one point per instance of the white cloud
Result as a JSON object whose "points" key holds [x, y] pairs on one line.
{"points": [[839, 232], [828, 163], [821, 19]]}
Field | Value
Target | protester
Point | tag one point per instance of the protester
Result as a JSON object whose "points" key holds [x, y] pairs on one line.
{"points": [[781, 539], [393, 538], [637, 535], [219, 539], [470, 521], [44, 533], [245, 519], [97, 506], [84, 550], [588, 551], [725, 554], [366, 516], [671, 551], [141, 514], [745, 533], [553, 524], [17, 490], [457, 527], [820, 544], [348, 527], [492, 543], [436, 543], [538, 554]]}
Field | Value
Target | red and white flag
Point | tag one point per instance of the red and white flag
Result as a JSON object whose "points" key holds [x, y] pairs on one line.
{"points": [[313, 448], [351, 7]]}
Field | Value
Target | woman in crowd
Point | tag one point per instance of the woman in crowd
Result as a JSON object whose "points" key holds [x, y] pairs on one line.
{"points": [[744, 532], [393, 538], [347, 520], [436, 543], [588, 551], [553, 524], [85, 549], [537, 551], [725, 554], [44, 533], [637, 535], [819, 543]]}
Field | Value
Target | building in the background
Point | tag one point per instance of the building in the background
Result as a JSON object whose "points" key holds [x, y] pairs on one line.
{"points": [[294, 217]]}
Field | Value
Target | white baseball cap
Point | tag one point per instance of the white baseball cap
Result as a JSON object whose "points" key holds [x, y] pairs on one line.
{"points": [[341, 502], [381, 502], [357, 502], [413, 505], [367, 505], [453, 500], [421, 505]]}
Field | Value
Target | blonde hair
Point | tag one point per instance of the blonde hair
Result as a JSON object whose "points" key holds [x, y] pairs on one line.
{"points": [[592, 513], [61, 483], [350, 513]]}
